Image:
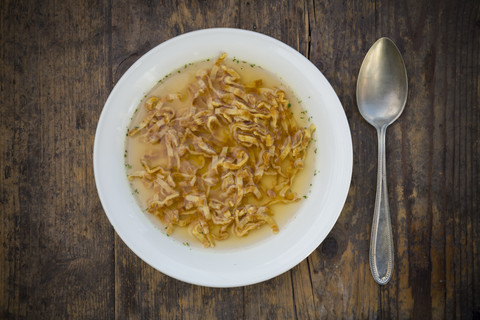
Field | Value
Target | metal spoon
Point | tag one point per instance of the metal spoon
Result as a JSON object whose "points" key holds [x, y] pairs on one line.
{"points": [[382, 90]]}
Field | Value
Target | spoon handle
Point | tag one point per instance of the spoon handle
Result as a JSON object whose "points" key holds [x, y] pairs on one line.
{"points": [[381, 242]]}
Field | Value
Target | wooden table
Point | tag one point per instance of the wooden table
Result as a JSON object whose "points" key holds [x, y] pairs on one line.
{"points": [[60, 257]]}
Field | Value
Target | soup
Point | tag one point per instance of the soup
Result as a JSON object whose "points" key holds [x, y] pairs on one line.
{"points": [[219, 149]]}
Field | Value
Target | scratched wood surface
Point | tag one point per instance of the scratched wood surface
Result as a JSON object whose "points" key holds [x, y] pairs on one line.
{"points": [[61, 259]]}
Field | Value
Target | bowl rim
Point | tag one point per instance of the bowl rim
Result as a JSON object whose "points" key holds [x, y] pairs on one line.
{"points": [[227, 280]]}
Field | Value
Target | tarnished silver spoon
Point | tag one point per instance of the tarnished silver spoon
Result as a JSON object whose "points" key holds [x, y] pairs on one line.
{"points": [[382, 91]]}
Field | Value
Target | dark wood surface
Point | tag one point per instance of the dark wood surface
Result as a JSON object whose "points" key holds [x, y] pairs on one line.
{"points": [[61, 259]]}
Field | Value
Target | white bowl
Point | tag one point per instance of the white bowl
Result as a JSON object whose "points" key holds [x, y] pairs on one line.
{"points": [[275, 254]]}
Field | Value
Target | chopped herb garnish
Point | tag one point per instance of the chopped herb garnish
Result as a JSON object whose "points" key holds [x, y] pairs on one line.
{"points": [[136, 191], [252, 65], [178, 71], [289, 105], [315, 150], [207, 60], [305, 197], [185, 66]]}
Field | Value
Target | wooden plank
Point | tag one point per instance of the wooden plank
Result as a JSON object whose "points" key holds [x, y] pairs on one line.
{"points": [[271, 299], [154, 24], [146, 293], [141, 291], [410, 148], [464, 113], [286, 21], [435, 243], [341, 34], [289, 295], [8, 181], [303, 297], [59, 261]]}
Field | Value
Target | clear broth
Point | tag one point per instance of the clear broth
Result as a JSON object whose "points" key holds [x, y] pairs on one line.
{"points": [[180, 78]]}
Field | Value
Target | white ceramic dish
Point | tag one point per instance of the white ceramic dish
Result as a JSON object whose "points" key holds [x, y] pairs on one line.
{"points": [[239, 266]]}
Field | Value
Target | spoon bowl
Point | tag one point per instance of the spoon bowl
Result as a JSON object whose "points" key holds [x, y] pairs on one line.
{"points": [[382, 86], [382, 90]]}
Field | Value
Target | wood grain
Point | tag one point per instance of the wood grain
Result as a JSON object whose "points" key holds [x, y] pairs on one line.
{"points": [[60, 258], [57, 253], [435, 222], [343, 286]]}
